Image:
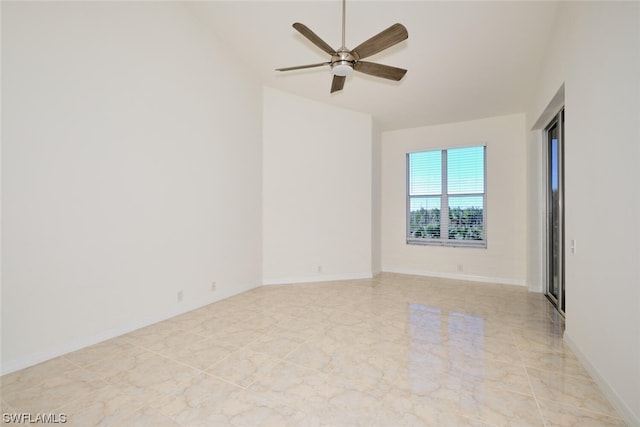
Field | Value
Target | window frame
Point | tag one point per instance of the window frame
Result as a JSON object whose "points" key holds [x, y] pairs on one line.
{"points": [[444, 203]]}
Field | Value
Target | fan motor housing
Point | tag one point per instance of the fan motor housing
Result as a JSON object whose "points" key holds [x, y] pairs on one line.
{"points": [[342, 63]]}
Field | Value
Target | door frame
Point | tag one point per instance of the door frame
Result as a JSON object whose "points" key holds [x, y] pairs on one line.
{"points": [[559, 302]]}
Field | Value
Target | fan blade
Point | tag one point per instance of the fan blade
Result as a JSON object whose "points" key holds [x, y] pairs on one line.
{"points": [[301, 67], [337, 83], [385, 39], [313, 38], [380, 70]]}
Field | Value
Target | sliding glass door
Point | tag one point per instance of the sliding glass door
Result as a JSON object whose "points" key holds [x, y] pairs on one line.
{"points": [[555, 211]]}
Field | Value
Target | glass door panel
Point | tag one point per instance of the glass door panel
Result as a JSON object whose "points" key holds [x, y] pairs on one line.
{"points": [[555, 205]]}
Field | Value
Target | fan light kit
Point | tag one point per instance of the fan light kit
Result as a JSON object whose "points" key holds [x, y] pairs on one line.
{"points": [[344, 61], [342, 70]]}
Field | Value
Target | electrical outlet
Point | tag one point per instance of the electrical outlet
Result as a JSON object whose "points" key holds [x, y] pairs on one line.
{"points": [[319, 269], [213, 286], [460, 268], [180, 296]]}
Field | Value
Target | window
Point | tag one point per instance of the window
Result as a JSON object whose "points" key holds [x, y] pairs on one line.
{"points": [[446, 197]]}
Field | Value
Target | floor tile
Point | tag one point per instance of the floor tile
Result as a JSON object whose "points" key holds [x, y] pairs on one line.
{"points": [[152, 376], [42, 372], [496, 374], [182, 404], [202, 354], [569, 390], [105, 350], [556, 415], [107, 406], [50, 395], [243, 367], [275, 346], [147, 417], [562, 362], [395, 350], [499, 407]]}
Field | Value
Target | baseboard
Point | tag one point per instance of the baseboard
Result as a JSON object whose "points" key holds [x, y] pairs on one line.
{"points": [[7, 367], [620, 405], [316, 278], [471, 278]]}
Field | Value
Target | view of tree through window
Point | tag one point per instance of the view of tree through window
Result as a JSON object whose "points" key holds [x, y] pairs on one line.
{"points": [[446, 197]]}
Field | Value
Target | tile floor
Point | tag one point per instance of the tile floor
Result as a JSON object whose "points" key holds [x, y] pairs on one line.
{"points": [[397, 350]]}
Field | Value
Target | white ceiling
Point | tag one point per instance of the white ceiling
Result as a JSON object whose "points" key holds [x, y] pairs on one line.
{"points": [[465, 60]]}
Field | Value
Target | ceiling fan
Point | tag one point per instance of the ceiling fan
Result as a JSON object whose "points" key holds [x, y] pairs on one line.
{"points": [[344, 61]]}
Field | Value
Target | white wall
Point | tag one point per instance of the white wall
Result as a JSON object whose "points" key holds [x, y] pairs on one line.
{"points": [[316, 191], [131, 169], [503, 261], [536, 216], [595, 52], [536, 194], [376, 185]]}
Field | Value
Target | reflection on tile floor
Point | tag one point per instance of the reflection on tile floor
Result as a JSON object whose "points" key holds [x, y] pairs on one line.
{"points": [[392, 351]]}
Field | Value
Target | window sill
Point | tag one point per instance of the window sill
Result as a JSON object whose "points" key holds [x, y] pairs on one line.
{"points": [[449, 243]]}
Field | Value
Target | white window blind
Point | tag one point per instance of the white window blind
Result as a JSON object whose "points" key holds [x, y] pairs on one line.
{"points": [[446, 197]]}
